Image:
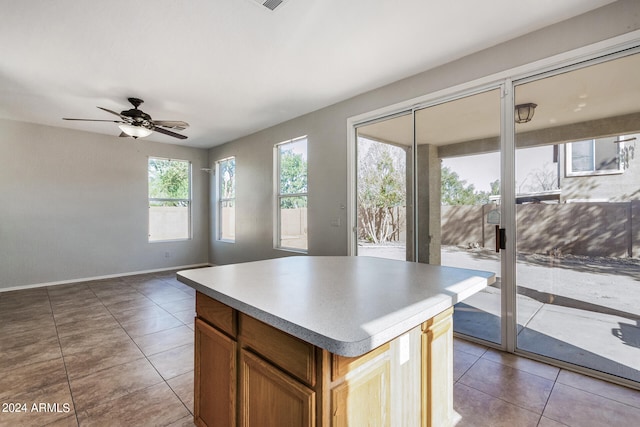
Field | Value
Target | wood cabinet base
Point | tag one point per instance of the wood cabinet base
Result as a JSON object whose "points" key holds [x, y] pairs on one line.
{"points": [[253, 375]]}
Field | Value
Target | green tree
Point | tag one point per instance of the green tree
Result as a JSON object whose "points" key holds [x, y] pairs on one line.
{"points": [[495, 187], [456, 191], [293, 179], [381, 190], [168, 179]]}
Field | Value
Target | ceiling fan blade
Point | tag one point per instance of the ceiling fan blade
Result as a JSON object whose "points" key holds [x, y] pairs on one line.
{"points": [[113, 112], [173, 124], [168, 132], [94, 120]]}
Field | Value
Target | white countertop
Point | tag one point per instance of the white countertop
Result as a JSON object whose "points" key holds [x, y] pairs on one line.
{"points": [[346, 305]]}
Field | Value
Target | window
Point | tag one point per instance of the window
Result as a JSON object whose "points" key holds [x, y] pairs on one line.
{"points": [[226, 176], [291, 194], [169, 199], [593, 157]]}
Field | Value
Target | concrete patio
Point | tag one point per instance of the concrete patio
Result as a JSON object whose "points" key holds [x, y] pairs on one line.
{"points": [[585, 311]]}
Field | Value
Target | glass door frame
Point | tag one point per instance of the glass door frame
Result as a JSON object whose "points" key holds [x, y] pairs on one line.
{"points": [[508, 294], [353, 211], [508, 210], [506, 114], [602, 56]]}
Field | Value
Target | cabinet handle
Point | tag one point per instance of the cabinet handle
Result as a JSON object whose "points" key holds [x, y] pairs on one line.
{"points": [[501, 238]]}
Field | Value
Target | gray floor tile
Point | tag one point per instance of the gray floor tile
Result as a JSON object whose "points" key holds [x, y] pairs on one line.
{"points": [[174, 362], [602, 388], [111, 383], [182, 385], [575, 407], [475, 409], [509, 384], [164, 340], [155, 405], [145, 326]]}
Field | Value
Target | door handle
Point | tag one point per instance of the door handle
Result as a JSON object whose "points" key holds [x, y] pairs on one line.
{"points": [[501, 238]]}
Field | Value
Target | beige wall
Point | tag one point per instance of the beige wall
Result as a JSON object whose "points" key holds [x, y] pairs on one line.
{"points": [[586, 229], [327, 135], [467, 225], [74, 205]]}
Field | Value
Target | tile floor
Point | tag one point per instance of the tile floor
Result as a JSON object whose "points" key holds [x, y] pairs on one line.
{"points": [[120, 352], [116, 352]]}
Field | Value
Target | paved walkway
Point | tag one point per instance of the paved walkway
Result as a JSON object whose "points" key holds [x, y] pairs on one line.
{"points": [[581, 310]]}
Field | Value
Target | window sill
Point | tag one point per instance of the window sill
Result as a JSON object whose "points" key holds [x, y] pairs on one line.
{"points": [[593, 173], [170, 240], [294, 250]]}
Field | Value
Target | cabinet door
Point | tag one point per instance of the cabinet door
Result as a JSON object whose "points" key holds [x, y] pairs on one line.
{"points": [[364, 395], [215, 377], [271, 398]]}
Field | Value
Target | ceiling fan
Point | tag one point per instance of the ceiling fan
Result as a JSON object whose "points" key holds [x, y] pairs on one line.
{"points": [[138, 124]]}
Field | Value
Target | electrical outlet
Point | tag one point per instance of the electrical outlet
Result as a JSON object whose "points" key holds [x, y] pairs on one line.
{"points": [[167, 254]]}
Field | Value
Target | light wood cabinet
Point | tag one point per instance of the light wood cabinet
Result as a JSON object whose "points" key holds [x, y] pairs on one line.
{"points": [[281, 380], [365, 396], [271, 398]]}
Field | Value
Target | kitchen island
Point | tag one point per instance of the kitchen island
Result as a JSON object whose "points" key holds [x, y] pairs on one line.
{"points": [[326, 341]]}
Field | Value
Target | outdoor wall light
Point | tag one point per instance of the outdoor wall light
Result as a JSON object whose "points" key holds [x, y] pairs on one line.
{"points": [[135, 131], [524, 112]]}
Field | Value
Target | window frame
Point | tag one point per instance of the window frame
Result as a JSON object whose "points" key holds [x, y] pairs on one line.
{"points": [[277, 235], [569, 172], [221, 200], [161, 199]]}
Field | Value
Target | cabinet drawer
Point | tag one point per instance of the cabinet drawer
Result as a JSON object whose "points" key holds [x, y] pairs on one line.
{"points": [[283, 350], [219, 315]]}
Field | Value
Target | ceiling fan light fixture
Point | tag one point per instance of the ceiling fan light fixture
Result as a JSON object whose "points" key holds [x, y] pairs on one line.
{"points": [[135, 131], [138, 124]]}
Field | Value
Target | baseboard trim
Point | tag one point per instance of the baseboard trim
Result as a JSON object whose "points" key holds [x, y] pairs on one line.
{"points": [[108, 276]]}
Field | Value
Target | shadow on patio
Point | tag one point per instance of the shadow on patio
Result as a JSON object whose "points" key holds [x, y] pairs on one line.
{"points": [[580, 310], [603, 342]]}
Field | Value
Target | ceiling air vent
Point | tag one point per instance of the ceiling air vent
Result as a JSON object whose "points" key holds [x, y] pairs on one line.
{"points": [[270, 4]]}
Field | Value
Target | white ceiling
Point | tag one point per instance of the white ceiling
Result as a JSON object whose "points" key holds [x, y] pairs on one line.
{"points": [[233, 67]]}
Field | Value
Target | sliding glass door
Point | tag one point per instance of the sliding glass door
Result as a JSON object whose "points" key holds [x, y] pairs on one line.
{"points": [[578, 216], [454, 177], [546, 167], [458, 200], [384, 151]]}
